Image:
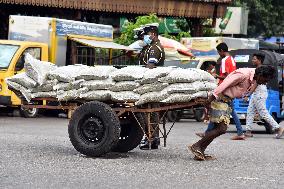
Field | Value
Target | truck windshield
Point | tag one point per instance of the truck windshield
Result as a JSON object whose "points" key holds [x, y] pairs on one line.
{"points": [[6, 54]]}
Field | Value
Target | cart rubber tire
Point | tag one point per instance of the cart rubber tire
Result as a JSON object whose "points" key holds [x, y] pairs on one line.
{"points": [[131, 133], [173, 116], [94, 129], [199, 114], [29, 113]]}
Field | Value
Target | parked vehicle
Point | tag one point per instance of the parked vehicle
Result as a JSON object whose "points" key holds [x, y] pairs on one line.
{"points": [[62, 42]]}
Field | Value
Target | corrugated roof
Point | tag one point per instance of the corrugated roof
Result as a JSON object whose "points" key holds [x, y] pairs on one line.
{"points": [[180, 8], [214, 1]]}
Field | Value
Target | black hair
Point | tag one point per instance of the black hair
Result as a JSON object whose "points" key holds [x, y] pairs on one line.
{"points": [[213, 63], [207, 64], [260, 57], [222, 47], [266, 71], [152, 29]]}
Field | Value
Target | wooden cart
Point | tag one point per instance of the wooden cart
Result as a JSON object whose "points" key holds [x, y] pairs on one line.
{"points": [[96, 128]]}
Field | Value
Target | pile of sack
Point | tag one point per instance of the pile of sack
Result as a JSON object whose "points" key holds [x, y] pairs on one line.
{"points": [[107, 83]]}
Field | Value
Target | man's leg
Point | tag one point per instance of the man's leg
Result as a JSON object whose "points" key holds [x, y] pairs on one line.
{"points": [[237, 121], [250, 117], [154, 119], [209, 128], [260, 106], [240, 132], [218, 130]]}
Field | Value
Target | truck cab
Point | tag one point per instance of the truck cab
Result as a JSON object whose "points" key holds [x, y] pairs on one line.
{"points": [[12, 62]]}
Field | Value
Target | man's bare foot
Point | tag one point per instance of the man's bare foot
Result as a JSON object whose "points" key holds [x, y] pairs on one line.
{"points": [[238, 137], [280, 133]]}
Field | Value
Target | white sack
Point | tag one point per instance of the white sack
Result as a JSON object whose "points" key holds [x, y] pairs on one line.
{"points": [[124, 86], [68, 86], [23, 80], [129, 73], [151, 97], [180, 75], [154, 74], [152, 87], [46, 87], [100, 95], [96, 73], [178, 97], [71, 94], [44, 94], [36, 69], [124, 96], [24, 91], [67, 73], [98, 84], [200, 94], [190, 88]]}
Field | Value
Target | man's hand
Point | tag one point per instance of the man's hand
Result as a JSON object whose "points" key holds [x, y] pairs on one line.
{"points": [[215, 75], [209, 100]]}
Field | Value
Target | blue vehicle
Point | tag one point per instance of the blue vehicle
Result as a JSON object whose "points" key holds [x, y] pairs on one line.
{"points": [[275, 98]]}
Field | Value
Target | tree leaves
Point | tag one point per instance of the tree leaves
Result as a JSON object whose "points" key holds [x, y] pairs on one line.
{"points": [[265, 17]]}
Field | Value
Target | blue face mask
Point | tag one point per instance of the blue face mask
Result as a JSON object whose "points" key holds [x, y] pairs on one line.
{"points": [[147, 39]]}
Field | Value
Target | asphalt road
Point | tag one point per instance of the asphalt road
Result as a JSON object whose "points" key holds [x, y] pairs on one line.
{"points": [[37, 153]]}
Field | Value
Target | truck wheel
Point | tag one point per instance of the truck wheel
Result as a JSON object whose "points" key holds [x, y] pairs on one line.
{"points": [[131, 133], [29, 112], [268, 127], [173, 116], [199, 114], [94, 129]]}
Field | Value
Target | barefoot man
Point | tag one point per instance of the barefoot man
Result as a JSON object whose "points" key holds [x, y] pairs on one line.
{"points": [[235, 85]]}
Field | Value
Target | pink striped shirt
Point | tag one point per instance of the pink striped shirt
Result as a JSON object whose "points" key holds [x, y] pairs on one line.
{"points": [[236, 84]]}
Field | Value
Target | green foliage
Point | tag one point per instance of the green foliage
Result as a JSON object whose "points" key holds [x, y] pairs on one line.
{"points": [[182, 24], [208, 31], [265, 17], [127, 36]]}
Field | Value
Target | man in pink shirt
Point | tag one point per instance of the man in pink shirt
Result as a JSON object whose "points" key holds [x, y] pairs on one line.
{"points": [[235, 85]]}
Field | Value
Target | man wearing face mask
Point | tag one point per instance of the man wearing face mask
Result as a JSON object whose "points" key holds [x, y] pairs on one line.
{"points": [[154, 52], [152, 55]]}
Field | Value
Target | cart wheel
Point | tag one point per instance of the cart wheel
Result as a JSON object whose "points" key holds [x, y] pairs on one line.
{"points": [[94, 129], [29, 112], [131, 133], [173, 116]]}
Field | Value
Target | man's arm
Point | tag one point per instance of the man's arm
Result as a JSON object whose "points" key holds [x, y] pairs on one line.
{"points": [[222, 77], [154, 57]]}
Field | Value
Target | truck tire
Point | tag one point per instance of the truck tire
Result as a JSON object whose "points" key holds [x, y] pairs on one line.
{"points": [[29, 113], [94, 129], [131, 133], [268, 127], [173, 116], [199, 114]]}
